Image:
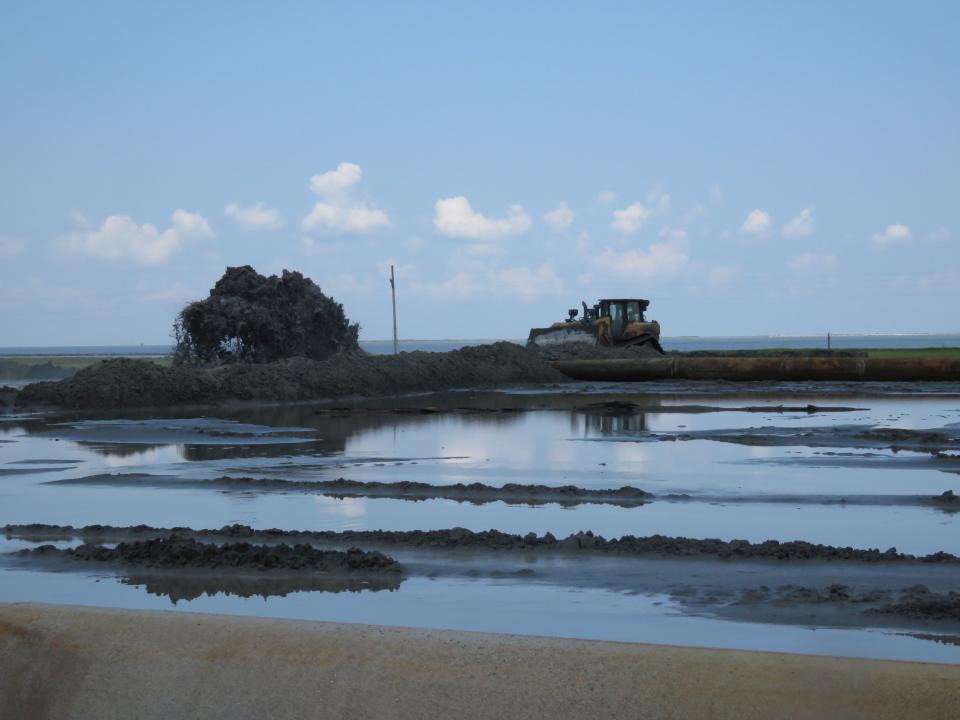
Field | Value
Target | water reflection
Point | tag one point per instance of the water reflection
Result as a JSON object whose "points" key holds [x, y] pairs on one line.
{"points": [[186, 587]]}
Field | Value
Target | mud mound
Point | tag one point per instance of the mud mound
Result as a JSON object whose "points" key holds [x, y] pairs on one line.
{"points": [[919, 602], [179, 552], [454, 538], [125, 383]]}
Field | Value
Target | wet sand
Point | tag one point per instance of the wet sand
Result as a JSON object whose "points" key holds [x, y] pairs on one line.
{"points": [[69, 662]]}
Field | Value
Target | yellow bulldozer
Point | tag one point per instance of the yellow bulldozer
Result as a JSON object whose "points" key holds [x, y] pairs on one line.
{"points": [[610, 323]]}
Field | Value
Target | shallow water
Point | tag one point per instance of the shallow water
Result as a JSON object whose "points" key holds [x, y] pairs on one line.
{"points": [[736, 491]]}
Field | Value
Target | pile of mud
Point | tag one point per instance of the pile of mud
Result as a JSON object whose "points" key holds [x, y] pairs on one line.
{"points": [[456, 538], [123, 383], [176, 552], [919, 602]]}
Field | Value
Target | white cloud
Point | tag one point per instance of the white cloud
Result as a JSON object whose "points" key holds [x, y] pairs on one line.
{"points": [[338, 213], [659, 260], [120, 239], [188, 223], [813, 262], [802, 225], [254, 217], [522, 282], [454, 217], [757, 223], [893, 235], [354, 218], [607, 197], [716, 194], [941, 234], [11, 247], [336, 181], [559, 218], [630, 219]]}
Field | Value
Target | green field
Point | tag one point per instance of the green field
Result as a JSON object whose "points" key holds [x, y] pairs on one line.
{"points": [[913, 353]]}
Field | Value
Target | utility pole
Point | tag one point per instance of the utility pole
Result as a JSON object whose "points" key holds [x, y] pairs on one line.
{"points": [[393, 297]]}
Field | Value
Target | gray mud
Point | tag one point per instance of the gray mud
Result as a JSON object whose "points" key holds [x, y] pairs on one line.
{"points": [[509, 493], [125, 383], [177, 552], [461, 538], [476, 493], [866, 437]]}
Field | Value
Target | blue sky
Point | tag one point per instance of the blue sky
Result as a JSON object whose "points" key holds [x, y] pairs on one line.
{"points": [[750, 167]]}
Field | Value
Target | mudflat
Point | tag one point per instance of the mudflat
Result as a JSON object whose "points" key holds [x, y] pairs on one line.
{"points": [[72, 662]]}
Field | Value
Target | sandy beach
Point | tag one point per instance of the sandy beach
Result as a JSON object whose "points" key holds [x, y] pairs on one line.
{"points": [[73, 662]]}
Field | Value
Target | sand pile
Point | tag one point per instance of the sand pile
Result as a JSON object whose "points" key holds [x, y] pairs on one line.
{"points": [[138, 383]]}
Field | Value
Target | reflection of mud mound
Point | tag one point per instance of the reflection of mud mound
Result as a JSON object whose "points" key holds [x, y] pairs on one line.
{"points": [[936, 440], [139, 383], [457, 538], [477, 493], [183, 586], [180, 552]]}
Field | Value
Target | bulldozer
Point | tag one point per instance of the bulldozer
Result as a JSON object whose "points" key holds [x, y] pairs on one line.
{"points": [[610, 323]]}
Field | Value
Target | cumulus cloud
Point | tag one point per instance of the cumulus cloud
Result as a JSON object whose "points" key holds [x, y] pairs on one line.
{"points": [[895, 234], [254, 217], [119, 238], [338, 212], [454, 217], [559, 218], [354, 218], [11, 247], [521, 281], [813, 262], [336, 181], [630, 219], [659, 260], [757, 223], [802, 225], [188, 223]]}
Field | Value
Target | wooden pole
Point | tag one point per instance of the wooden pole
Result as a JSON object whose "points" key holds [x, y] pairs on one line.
{"points": [[393, 297]]}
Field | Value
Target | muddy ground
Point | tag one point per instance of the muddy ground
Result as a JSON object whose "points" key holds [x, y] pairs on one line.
{"points": [[124, 383], [510, 493], [761, 582], [461, 538]]}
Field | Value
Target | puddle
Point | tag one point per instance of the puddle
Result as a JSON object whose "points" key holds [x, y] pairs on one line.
{"points": [[785, 490]]}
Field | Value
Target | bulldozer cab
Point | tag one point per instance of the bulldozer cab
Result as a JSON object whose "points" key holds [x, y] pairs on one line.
{"points": [[622, 313]]}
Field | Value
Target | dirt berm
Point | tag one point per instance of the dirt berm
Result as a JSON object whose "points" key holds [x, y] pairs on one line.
{"points": [[123, 383]]}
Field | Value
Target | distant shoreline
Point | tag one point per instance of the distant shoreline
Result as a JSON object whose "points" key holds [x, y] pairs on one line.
{"points": [[839, 341]]}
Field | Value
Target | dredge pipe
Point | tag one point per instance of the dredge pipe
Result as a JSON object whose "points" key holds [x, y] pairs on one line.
{"points": [[763, 368]]}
